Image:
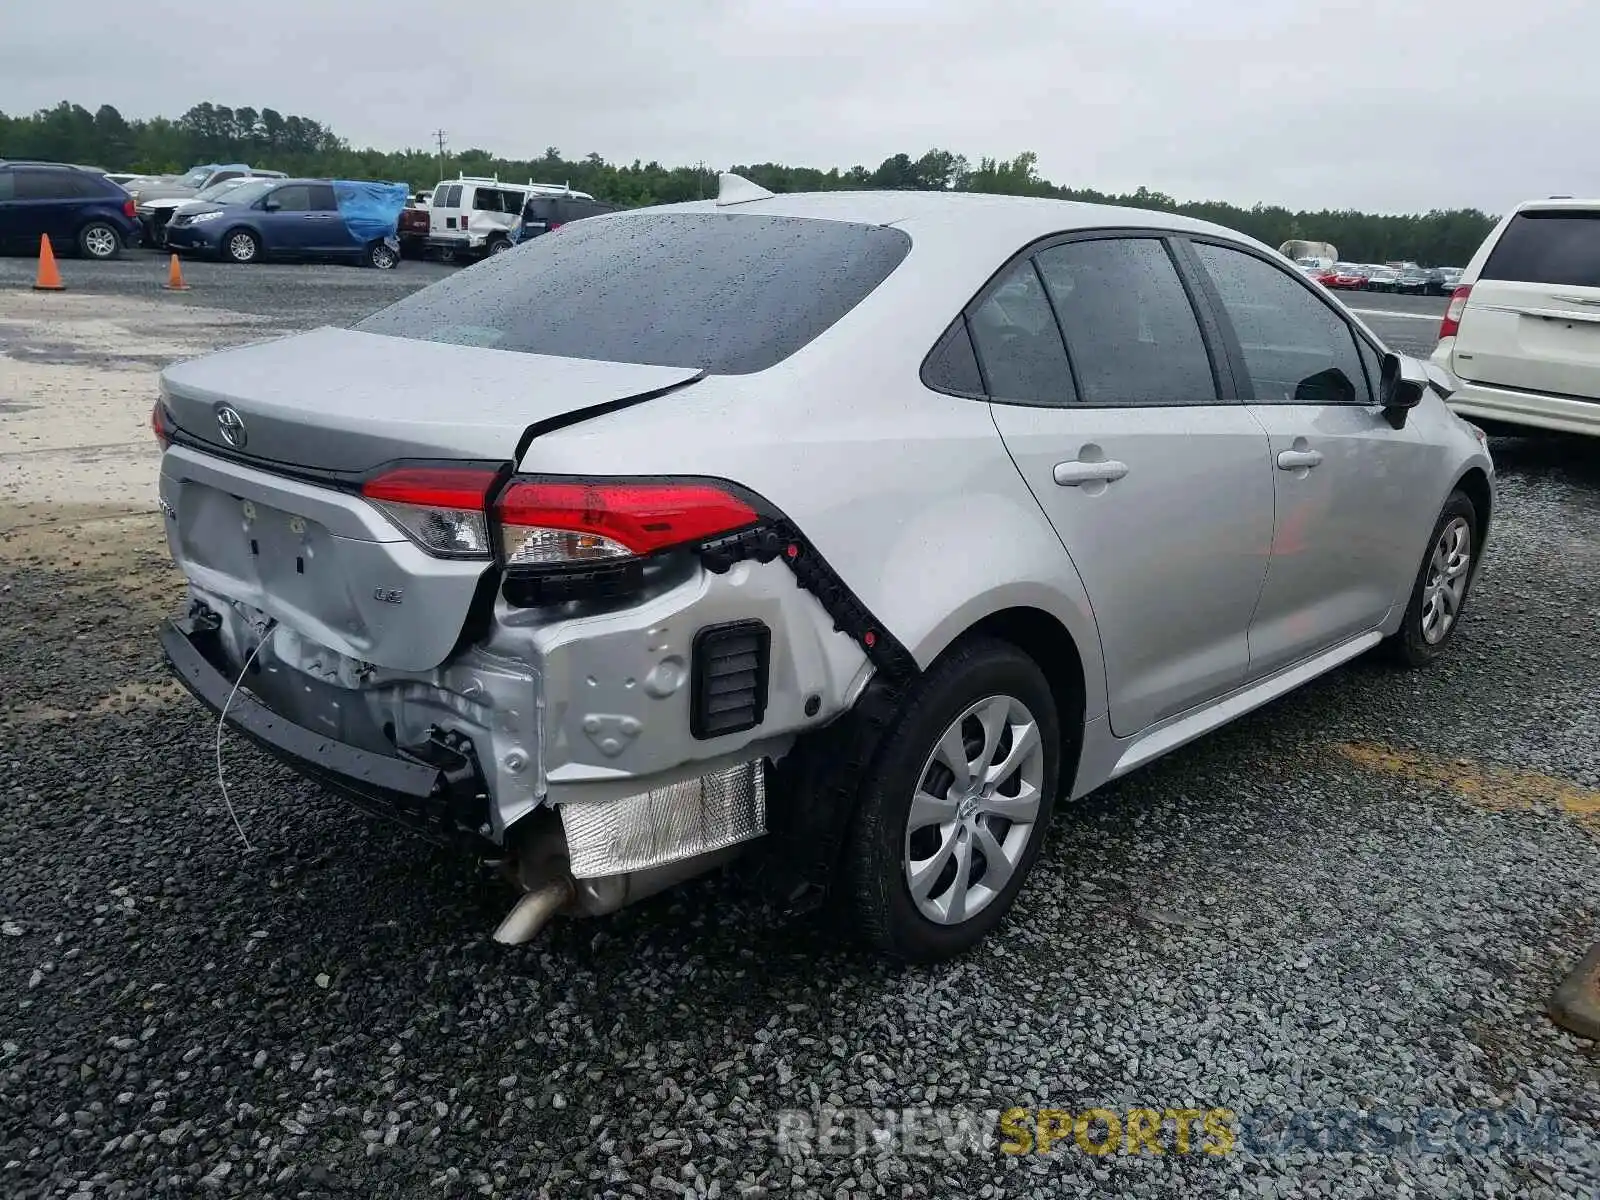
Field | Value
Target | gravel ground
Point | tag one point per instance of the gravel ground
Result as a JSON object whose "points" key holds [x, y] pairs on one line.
{"points": [[1358, 899]]}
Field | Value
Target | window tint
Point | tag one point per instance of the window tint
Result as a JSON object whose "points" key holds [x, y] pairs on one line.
{"points": [[1019, 344], [46, 185], [1561, 248], [728, 292], [7, 184], [952, 366], [1297, 349], [1131, 332], [496, 200], [296, 197], [224, 176], [322, 198]]}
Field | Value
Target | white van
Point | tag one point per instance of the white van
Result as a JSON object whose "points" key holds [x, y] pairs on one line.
{"points": [[1522, 332], [473, 215]]}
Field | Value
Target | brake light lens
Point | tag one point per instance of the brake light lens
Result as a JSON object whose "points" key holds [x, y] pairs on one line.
{"points": [[158, 425], [441, 509], [1451, 324], [128, 209], [552, 523]]}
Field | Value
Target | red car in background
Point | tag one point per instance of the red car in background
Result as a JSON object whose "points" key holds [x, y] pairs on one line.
{"points": [[1347, 276]]}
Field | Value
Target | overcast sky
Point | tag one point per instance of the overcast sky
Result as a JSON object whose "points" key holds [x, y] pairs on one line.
{"points": [[1401, 105]]}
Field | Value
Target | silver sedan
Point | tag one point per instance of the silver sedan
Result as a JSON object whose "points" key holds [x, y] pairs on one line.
{"points": [[853, 530]]}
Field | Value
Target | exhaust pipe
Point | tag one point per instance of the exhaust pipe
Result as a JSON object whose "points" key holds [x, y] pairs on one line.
{"points": [[534, 911]]}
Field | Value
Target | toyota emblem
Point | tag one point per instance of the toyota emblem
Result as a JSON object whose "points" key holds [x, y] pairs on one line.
{"points": [[232, 426]]}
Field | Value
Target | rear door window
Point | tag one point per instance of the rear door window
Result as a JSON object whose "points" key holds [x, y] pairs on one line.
{"points": [[1558, 247], [7, 185], [322, 198], [1019, 343], [730, 293], [1131, 332], [46, 185]]}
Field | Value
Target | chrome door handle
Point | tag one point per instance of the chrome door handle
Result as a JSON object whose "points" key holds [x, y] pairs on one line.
{"points": [[1076, 473], [1293, 460]]}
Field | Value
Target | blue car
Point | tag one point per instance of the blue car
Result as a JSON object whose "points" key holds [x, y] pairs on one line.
{"points": [[78, 208], [295, 219]]}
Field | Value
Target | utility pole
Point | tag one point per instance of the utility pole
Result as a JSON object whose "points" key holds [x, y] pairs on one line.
{"points": [[700, 178], [439, 136]]}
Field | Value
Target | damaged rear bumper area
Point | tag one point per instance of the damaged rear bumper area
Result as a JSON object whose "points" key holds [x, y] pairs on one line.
{"points": [[582, 858], [444, 798]]}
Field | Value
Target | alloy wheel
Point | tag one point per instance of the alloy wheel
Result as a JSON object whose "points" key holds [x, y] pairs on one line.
{"points": [[242, 247], [100, 241], [1446, 585], [973, 812]]}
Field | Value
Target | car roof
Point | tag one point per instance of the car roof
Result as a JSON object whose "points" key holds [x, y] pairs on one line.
{"points": [[1557, 203], [981, 225], [44, 162]]}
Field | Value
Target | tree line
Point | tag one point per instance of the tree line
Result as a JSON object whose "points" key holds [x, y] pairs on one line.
{"points": [[302, 146]]}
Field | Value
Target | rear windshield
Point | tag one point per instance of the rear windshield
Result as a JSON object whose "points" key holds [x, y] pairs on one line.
{"points": [[729, 293], [1555, 247]]}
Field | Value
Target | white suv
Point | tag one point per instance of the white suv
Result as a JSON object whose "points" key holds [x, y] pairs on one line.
{"points": [[1522, 332], [473, 216]]}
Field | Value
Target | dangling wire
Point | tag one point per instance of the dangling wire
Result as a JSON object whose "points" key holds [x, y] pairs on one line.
{"points": [[272, 628]]}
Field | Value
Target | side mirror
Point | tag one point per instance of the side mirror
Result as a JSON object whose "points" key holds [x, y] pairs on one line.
{"points": [[1399, 390], [271, 205]]}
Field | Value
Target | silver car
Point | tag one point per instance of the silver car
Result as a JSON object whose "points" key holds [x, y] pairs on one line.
{"points": [[853, 531]]}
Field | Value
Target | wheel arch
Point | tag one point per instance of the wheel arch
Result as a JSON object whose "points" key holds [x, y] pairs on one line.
{"points": [[1475, 483], [1048, 642], [1056, 631]]}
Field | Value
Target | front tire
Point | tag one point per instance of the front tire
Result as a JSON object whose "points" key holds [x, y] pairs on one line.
{"points": [[1439, 594], [951, 816], [99, 240], [497, 245], [241, 246]]}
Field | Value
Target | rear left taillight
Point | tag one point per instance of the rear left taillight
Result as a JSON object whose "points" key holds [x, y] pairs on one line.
{"points": [[1451, 324], [128, 209], [159, 425], [441, 509], [554, 523]]}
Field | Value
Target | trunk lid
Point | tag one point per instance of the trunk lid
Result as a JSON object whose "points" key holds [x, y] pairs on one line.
{"points": [[320, 559], [345, 401]]}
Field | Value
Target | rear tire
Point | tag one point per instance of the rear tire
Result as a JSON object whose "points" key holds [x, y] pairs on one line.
{"points": [[932, 807], [497, 245], [380, 255], [1439, 595], [241, 246], [99, 240]]}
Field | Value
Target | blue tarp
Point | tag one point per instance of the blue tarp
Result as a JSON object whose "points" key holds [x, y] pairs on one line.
{"points": [[371, 211]]}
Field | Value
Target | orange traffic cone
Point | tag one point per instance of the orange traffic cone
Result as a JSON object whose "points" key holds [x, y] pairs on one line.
{"points": [[175, 281], [49, 277]]}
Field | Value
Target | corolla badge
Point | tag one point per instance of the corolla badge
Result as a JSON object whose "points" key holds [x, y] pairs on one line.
{"points": [[232, 426]]}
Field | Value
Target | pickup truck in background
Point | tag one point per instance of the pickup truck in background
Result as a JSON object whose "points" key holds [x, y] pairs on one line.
{"points": [[415, 220]]}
